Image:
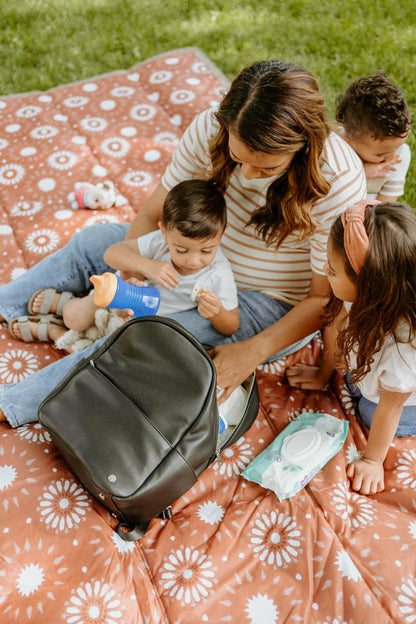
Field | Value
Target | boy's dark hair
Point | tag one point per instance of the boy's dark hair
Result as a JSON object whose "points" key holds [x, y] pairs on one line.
{"points": [[196, 208], [372, 105]]}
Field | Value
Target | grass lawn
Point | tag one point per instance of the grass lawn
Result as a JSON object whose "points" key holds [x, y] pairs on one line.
{"points": [[44, 43]]}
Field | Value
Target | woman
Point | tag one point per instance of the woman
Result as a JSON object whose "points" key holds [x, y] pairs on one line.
{"points": [[285, 178]]}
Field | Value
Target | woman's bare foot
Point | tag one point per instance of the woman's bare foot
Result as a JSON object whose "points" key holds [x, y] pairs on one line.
{"points": [[2, 417]]}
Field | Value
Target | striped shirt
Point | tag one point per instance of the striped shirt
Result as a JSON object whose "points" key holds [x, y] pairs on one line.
{"points": [[283, 273]]}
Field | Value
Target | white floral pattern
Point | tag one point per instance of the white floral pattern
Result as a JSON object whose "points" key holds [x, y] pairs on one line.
{"points": [[137, 178], [94, 124], [28, 112], [63, 505], [26, 208], [42, 241], [62, 160], [276, 539], [94, 601], [347, 567], [76, 101], [261, 609], [143, 112], [407, 599], [405, 470], [35, 433], [115, 146], [188, 576], [357, 510], [11, 173], [44, 132], [210, 512], [16, 364], [234, 459]]}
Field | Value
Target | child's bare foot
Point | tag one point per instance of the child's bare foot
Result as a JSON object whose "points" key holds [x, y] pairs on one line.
{"points": [[48, 301], [37, 328]]}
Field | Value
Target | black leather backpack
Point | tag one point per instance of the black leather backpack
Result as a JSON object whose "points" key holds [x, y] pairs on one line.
{"points": [[138, 422]]}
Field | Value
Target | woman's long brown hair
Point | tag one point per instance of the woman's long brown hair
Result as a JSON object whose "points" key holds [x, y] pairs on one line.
{"points": [[386, 284], [276, 108]]}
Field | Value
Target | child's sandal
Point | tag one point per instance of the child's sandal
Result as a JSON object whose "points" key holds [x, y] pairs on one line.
{"points": [[43, 322], [47, 302]]}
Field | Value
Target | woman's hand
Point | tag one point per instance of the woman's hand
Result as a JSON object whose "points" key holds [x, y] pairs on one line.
{"points": [[233, 365], [366, 475]]}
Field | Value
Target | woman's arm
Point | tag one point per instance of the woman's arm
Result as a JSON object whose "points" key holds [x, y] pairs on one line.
{"points": [[149, 214], [309, 377], [367, 473], [235, 362]]}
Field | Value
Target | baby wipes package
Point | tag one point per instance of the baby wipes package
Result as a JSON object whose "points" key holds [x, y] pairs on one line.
{"points": [[298, 453]]}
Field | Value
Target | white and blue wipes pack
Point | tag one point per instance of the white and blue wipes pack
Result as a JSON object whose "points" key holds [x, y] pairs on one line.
{"points": [[297, 453]]}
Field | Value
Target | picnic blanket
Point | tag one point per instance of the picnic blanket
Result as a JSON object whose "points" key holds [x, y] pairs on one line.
{"points": [[231, 552]]}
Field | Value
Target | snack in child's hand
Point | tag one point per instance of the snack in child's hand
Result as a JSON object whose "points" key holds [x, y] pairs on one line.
{"points": [[197, 291]]}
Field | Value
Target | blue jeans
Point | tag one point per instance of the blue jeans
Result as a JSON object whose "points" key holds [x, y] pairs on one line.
{"points": [[366, 408], [70, 269]]}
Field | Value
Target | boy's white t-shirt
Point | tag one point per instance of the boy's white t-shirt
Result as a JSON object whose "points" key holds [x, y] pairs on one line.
{"points": [[393, 367], [216, 277]]}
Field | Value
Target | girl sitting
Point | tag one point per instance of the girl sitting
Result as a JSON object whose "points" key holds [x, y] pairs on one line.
{"points": [[371, 268]]}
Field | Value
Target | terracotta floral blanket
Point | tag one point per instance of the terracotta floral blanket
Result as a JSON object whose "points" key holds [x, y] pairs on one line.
{"points": [[232, 552]]}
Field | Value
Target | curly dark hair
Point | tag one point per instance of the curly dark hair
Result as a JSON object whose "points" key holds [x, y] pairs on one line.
{"points": [[373, 106], [386, 284]]}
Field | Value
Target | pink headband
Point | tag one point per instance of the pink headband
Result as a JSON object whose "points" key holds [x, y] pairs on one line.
{"points": [[355, 236]]}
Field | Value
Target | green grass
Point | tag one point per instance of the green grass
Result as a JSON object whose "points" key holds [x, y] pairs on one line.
{"points": [[44, 43]]}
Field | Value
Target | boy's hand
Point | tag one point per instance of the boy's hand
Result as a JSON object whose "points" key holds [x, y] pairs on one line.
{"points": [[366, 476], [208, 304], [163, 273], [128, 314], [380, 170], [305, 377]]}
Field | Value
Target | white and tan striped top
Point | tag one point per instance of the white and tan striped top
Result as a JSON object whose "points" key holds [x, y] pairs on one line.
{"points": [[283, 273]]}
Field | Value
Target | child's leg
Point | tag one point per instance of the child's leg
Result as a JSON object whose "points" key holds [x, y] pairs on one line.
{"points": [[79, 313]]}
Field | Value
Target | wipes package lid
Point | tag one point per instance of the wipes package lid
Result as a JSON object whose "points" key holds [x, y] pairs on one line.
{"points": [[298, 453]]}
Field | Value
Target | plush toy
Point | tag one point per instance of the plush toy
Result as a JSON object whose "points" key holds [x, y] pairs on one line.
{"points": [[106, 321], [102, 196]]}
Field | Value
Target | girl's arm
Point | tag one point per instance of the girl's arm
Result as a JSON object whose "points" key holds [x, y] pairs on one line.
{"points": [[235, 362], [367, 473]]}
